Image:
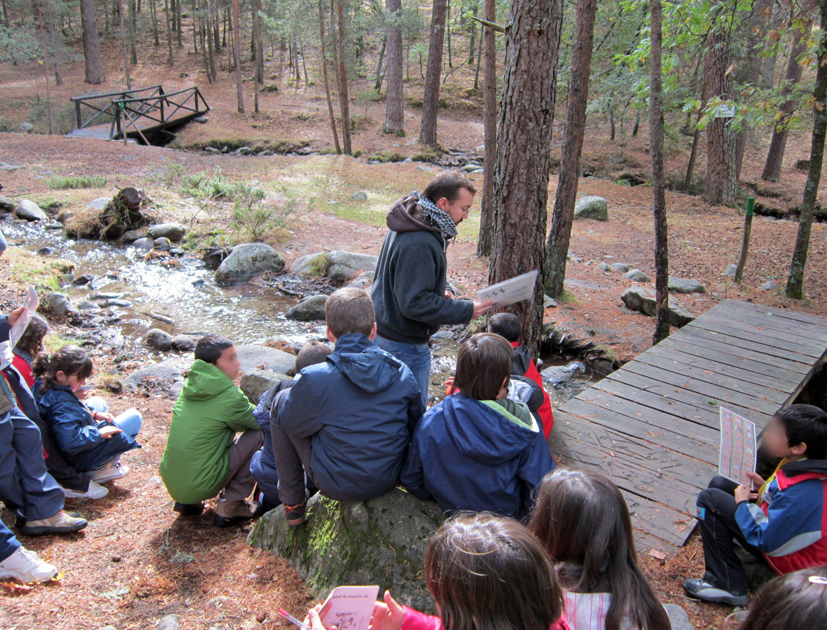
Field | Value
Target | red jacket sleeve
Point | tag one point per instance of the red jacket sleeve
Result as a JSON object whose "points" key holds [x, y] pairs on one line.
{"points": [[415, 620]]}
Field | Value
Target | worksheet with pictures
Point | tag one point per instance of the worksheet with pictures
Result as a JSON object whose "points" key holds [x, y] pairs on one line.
{"points": [[738, 447]]}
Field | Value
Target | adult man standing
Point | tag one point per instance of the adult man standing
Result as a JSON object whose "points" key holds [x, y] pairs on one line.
{"points": [[409, 289]]}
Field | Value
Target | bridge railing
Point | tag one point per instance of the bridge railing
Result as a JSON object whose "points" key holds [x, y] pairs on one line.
{"points": [[155, 109], [99, 109]]}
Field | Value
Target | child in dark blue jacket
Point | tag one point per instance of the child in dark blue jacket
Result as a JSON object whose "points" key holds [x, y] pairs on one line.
{"points": [[477, 450], [263, 464], [89, 437]]}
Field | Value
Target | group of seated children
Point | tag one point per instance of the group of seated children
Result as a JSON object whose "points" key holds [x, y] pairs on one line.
{"points": [[53, 445]]}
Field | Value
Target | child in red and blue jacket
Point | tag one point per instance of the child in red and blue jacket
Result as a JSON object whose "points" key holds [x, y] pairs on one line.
{"points": [[786, 528]]}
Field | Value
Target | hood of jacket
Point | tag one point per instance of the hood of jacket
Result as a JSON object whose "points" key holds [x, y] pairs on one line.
{"points": [[205, 381], [407, 216], [484, 433], [53, 394], [363, 364], [812, 467]]}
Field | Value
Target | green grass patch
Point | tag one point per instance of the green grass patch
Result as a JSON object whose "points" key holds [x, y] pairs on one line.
{"points": [[71, 182], [567, 297], [28, 269]]}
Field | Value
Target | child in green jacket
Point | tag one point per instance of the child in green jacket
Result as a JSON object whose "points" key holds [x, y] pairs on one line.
{"points": [[203, 457]]}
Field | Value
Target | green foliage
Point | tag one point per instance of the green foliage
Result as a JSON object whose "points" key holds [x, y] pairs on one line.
{"points": [[216, 187], [167, 174], [71, 182]]}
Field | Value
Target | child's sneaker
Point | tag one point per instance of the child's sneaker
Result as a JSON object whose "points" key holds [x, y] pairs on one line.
{"points": [[110, 471], [26, 566], [295, 515], [233, 512], [95, 491], [60, 523], [706, 592]]}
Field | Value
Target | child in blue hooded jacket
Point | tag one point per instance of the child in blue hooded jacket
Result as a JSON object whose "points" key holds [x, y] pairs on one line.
{"points": [[477, 450]]}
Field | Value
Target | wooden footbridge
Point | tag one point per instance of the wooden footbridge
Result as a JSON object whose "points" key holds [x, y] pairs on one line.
{"points": [[144, 114], [652, 426]]}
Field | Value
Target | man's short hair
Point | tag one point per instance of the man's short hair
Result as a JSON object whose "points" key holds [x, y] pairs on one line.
{"points": [[448, 184], [483, 364], [210, 347], [349, 310], [312, 352], [505, 325], [805, 424]]}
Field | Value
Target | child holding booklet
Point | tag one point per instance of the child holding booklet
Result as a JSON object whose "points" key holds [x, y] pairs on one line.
{"points": [[484, 573]]}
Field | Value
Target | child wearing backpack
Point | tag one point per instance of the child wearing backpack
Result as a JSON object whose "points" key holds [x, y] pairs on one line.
{"points": [[584, 523], [90, 439]]}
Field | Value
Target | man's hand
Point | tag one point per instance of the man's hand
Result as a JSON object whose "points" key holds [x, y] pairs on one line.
{"points": [[387, 615], [482, 307], [449, 294], [108, 431], [15, 315]]}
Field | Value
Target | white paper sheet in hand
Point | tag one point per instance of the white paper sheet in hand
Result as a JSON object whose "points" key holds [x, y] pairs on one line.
{"points": [[738, 450], [349, 607], [510, 291], [32, 302]]}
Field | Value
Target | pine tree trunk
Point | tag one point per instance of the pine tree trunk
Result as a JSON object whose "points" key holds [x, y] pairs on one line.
{"points": [[237, 56], [132, 17], [532, 42], [778, 144], [489, 97], [564, 200], [394, 104], [170, 54], [720, 169], [343, 95], [656, 154], [91, 43], [124, 42], [153, 10], [377, 83], [327, 82], [430, 102], [795, 280]]}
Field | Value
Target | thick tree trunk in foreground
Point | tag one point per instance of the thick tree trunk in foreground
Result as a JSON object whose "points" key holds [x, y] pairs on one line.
{"points": [[564, 200], [430, 102], [795, 280], [721, 186], [91, 43], [523, 160]]}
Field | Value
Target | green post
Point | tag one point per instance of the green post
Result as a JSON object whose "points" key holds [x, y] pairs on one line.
{"points": [[742, 261]]}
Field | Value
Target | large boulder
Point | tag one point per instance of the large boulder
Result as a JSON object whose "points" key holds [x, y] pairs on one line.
{"points": [[173, 231], [636, 275], [29, 211], [166, 378], [158, 339], [642, 300], [342, 266], [247, 261], [309, 309], [313, 264], [255, 382], [686, 285], [57, 304], [591, 207], [6, 204], [263, 357], [381, 541]]}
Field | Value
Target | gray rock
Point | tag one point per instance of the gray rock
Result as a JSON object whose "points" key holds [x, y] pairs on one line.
{"points": [[81, 280], [106, 296], [636, 275], [342, 265], [162, 244], [549, 302], [678, 617], [621, 267], [359, 196], [381, 541], [255, 382], [731, 269], [57, 304], [26, 127], [99, 203], [768, 286], [313, 264], [362, 281], [642, 300], [29, 211], [10, 167], [167, 376], [246, 262], [56, 225], [253, 356], [170, 622], [131, 236], [86, 305], [144, 244], [686, 285], [603, 266], [120, 303], [570, 256], [158, 339], [173, 231], [6, 204], [309, 309], [177, 251], [213, 258], [560, 374], [184, 343], [591, 207], [425, 169], [44, 251]]}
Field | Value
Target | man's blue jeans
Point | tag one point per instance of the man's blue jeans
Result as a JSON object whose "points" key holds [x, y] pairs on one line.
{"points": [[416, 356]]}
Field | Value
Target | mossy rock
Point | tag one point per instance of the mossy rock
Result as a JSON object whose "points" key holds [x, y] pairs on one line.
{"points": [[381, 541]]}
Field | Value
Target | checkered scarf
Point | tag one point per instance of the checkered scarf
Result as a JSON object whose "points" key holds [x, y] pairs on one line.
{"points": [[440, 219]]}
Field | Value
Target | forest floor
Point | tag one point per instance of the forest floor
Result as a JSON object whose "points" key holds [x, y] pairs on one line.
{"points": [[136, 562]]}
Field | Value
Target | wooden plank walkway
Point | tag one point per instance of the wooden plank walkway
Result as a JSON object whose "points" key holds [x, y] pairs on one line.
{"points": [[147, 126], [652, 426]]}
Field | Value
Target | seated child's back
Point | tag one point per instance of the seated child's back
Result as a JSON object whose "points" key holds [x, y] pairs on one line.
{"points": [[477, 450]]}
